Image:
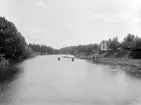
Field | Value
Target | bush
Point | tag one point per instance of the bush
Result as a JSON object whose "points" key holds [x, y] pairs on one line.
{"points": [[121, 53], [136, 54], [12, 43], [109, 53]]}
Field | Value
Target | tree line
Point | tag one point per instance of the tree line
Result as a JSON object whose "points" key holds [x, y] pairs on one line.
{"points": [[43, 49], [130, 43], [14, 45], [79, 49]]}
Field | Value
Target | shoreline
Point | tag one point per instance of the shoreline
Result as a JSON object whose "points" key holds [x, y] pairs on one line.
{"points": [[131, 66], [120, 61]]}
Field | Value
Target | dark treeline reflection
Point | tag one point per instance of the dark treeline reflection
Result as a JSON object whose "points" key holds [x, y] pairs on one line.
{"points": [[8, 74]]}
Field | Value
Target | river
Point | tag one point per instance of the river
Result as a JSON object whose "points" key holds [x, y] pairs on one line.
{"points": [[46, 81]]}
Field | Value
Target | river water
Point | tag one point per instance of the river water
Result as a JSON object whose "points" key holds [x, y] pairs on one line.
{"points": [[46, 81]]}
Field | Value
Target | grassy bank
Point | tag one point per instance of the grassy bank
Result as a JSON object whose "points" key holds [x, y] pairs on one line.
{"points": [[121, 59]]}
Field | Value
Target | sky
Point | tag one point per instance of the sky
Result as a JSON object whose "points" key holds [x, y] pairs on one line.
{"points": [[60, 23]]}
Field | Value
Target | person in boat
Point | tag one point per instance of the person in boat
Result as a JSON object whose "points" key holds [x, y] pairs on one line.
{"points": [[59, 58], [72, 59]]}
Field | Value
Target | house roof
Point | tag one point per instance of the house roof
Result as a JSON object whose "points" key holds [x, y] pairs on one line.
{"points": [[104, 41]]}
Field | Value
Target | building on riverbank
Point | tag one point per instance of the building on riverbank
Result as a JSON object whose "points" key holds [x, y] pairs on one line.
{"points": [[104, 45]]}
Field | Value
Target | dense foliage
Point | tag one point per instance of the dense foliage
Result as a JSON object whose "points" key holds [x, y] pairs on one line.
{"points": [[79, 49], [12, 43], [133, 44], [43, 49], [130, 43], [114, 44], [14, 46]]}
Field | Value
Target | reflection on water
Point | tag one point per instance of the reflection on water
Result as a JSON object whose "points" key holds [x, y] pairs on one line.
{"points": [[7, 78], [47, 81], [8, 74]]}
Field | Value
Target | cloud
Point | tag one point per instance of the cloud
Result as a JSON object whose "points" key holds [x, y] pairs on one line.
{"points": [[41, 4], [34, 30], [26, 29], [68, 26], [116, 17], [33, 33]]}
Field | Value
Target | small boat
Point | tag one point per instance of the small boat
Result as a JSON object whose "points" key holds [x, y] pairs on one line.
{"points": [[72, 59], [59, 58], [66, 57]]}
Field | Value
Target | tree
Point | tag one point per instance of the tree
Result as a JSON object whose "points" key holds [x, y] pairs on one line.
{"points": [[43, 49], [12, 43], [136, 44], [128, 42], [89, 48], [114, 44]]}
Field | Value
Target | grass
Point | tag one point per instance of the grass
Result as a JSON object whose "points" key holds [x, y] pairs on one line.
{"points": [[111, 56], [121, 54], [109, 53]]}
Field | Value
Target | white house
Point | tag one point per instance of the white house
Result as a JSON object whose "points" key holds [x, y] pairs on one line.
{"points": [[104, 45]]}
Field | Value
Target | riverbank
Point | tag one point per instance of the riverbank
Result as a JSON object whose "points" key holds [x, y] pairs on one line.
{"points": [[132, 66], [119, 61], [7, 70], [120, 57], [8, 67]]}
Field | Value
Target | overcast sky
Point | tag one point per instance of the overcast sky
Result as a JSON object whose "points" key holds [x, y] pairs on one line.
{"points": [[60, 23]]}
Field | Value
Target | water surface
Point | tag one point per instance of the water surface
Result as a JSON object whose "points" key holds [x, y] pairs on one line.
{"points": [[46, 81]]}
